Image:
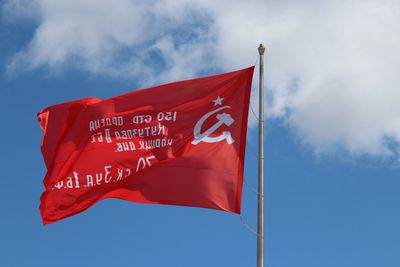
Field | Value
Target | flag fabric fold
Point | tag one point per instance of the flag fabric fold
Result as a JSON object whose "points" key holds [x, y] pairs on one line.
{"points": [[181, 143]]}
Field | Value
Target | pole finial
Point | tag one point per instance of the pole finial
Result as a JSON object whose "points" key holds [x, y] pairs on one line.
{"points": [[261, 49]]}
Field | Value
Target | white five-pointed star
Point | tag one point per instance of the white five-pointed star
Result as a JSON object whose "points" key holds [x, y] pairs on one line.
{"points": [[218, 101]]}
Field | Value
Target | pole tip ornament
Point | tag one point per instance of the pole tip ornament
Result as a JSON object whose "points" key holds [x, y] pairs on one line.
{"points": [[261, 49]]}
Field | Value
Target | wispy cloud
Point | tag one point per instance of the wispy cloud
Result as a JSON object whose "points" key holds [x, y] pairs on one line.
{"points": [[331, 65], [116, 38]]}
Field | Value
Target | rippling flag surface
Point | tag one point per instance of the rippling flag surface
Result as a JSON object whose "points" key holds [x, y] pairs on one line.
{"points": [[181, 143]]}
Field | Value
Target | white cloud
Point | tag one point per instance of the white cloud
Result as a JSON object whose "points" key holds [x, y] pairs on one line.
{"points": [[109, 37], [14, 10], [331, 65]]}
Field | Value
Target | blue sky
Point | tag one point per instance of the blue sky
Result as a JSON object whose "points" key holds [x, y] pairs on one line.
{"points": [[331, 142]]}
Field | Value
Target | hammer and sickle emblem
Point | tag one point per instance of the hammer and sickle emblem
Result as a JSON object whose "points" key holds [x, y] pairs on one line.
{"points": [[222, 119]]}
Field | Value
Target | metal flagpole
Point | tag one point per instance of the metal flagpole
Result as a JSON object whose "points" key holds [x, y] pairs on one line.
{"points": [[260, 225]]}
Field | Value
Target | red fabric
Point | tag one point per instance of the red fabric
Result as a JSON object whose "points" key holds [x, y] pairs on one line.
{"points": [[143, 147]]}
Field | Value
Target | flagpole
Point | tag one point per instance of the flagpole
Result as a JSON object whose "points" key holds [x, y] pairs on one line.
{"points": [[260, 224]]}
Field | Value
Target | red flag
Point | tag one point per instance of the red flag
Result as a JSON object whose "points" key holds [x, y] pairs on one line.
{"points": [[181, 143]]}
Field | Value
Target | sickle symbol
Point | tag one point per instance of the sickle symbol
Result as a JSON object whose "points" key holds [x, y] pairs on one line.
{"points": [[222, 119]]}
